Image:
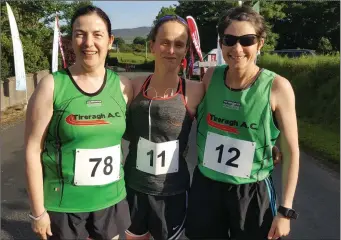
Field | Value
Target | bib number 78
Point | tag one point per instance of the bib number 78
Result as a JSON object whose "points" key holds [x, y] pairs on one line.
{"points": [[228, 155], [107, 170]]}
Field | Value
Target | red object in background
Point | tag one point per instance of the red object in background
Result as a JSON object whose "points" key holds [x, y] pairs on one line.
{"points": [[184, 63]]}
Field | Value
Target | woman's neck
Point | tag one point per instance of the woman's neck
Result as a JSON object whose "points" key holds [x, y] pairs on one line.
{"points": [[241, 78], [84, 72], [164, 79]]}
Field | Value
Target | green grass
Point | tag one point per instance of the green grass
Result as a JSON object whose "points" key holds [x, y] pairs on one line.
{"points": [[323, 141], [132, 58], [316, 82]]}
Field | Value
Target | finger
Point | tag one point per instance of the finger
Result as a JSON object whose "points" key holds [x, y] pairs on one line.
{"points": [[48, 231], [43, 235], [271, 232], [277, 235]]}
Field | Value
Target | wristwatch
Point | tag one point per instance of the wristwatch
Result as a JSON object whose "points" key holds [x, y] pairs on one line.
{"points": [[287, 212]]}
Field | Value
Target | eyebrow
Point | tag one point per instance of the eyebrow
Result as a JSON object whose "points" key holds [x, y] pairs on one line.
{"points": [[80, 30], [175, 40]]}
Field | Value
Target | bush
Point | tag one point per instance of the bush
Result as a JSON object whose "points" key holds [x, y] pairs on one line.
{"points": [[316, 82]]}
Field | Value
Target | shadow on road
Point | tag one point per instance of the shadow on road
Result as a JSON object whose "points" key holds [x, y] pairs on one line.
{"points": [[16, 229]]}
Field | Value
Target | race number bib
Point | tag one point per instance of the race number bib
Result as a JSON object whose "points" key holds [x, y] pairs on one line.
{"points": [[97, 166], [157, 158], [228, 155]]}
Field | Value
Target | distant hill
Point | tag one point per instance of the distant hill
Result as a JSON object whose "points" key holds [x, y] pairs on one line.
{"points": [[128, 34]]}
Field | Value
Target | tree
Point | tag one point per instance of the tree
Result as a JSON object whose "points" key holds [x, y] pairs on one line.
{"points": [[139, 40], [119, 41], [163, 12], [324, 45], [206, 15], [35, 24], [307, 22]]}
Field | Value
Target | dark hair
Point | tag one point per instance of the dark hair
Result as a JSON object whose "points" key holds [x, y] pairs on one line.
{"points": [[243, 13], [167, 18], [89, 9]]}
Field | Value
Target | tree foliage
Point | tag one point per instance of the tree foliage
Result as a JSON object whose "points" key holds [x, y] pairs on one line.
{"points": [[35, 21], [163, 12], [139, 41], [299, 24], [119, 41]]}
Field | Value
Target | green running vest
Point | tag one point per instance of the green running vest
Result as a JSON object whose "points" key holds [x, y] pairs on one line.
{"points": [[82, 121], [237, 131]]}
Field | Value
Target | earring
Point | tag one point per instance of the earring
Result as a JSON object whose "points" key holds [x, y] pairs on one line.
{"points": [[258, 52]]}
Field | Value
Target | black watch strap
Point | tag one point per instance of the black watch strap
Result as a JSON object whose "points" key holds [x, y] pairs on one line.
{"points": [[288, 212]]}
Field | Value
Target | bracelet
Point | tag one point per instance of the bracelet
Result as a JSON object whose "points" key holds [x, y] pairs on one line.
{"points": [[37, 218]]}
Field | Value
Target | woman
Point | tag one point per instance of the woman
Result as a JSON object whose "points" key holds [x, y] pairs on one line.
{"points": [[159, 123], [74, 126], [244, 110]]}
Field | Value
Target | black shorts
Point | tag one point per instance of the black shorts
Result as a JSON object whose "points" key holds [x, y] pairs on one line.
{"points": [[102, 224], [161, 216], [218, 210]]}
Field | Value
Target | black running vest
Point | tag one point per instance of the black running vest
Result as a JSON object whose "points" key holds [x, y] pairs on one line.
{"points": [[170, 120]]}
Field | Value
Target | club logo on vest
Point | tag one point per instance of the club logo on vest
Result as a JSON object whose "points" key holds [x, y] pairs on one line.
{"points": [[231, 105], [228, 125], [94, 103], [88, 120]]}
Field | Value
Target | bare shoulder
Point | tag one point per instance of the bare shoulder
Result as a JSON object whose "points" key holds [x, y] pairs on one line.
{"points": [[207, 77], [40, 104], [281, 92], [195, 91], [195, 87], [126, 88], [125, 82], [44, 88], [137, 83]]}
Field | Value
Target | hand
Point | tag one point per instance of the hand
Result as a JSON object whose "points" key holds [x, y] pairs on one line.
{"points": [[42, 227], [280, 227], [276, 155]]}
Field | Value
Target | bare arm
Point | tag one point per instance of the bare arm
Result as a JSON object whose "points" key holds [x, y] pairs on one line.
{"points": [[283, 102], [38, 116]]}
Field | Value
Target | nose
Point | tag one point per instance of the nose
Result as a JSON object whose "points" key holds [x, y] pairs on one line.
{"points": [[88, 41], [237, 47], [171, 49]]}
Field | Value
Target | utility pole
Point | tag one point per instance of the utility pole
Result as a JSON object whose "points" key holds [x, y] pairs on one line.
{"points": [[146, 48]]}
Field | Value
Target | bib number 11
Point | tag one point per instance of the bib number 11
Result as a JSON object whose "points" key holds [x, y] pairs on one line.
{"points": [[162, 155]]}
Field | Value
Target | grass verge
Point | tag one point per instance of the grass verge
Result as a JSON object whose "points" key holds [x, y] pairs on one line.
{"points": [[322, 141]]}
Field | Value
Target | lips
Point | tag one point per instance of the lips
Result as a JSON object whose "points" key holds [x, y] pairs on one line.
{"points": [[236, 57], [89, 53]]}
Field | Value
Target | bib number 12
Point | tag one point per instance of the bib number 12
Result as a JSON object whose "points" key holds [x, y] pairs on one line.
{"points": [[230, 161]]}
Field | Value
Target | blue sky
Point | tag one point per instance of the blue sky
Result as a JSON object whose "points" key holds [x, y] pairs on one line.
{"points": [[131, 14]]}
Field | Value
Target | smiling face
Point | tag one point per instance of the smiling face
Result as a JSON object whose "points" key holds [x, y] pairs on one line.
{"points": [[238, 56], [90, 41], [170, 45]]}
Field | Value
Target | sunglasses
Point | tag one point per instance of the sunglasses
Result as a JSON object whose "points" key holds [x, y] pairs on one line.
{"points": [[245, 40], [172, 17]]}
